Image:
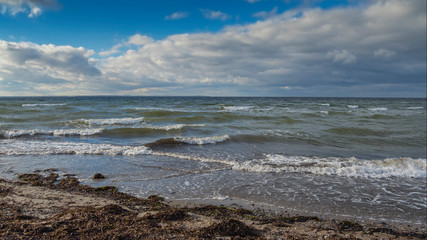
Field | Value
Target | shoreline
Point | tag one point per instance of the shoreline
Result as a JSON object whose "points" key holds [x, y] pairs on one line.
{"points": [[50, 206]]}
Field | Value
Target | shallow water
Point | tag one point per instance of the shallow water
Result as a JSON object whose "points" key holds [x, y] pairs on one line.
{"points": [[361, 158]]}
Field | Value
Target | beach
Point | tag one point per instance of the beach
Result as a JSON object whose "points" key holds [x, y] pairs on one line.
{"points": [[49, 206]]}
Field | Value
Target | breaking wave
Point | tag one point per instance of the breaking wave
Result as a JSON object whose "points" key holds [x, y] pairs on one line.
{"points": [[378, 109], [324, 104], [43, 104], [188, 140], [57, 132], [352, 106], [202, 140], [12, 147], [236, 108], [346, 167], [174, 126], [106, 122]]}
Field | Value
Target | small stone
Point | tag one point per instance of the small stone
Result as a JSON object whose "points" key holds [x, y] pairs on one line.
{"points": [[98, 176]]}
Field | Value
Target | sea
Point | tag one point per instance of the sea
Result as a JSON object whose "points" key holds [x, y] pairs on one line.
{"points": [[358, 158]]}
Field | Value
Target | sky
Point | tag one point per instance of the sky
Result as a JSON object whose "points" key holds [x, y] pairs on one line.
{"points": [[334, 48]]}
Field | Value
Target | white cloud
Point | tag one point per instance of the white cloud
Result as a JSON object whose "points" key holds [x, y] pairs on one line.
{"points": [[342, 56], [31, 66], [177, 15], [137, 40], [213, 15], [265, 14], [322, 52], [32, 7], [140, 40], [384, 53]]}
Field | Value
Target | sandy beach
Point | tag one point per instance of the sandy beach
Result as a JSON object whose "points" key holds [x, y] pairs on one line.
{"points": [[48, 206]]}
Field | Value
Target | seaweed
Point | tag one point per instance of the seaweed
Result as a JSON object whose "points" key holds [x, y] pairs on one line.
{"points": [[349, 226], [168, 215], [229, 227], [220, 211], [4, 191]]}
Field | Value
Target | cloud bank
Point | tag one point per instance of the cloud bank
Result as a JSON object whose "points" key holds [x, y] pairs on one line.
{"points": [[375, 50]]}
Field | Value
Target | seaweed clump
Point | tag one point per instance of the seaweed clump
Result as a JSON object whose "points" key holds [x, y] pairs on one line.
{"points": [[231, 227], [350, 226], [37, 179], [219, 212]]}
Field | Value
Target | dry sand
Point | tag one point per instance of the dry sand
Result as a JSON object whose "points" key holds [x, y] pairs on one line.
{"points": [[43, 207]]}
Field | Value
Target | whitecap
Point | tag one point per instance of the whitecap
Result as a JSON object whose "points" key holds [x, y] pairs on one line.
{"points": [[202, 140], [324, 104], [175, 126], [56, 132], [378, 109], [13, 147], [352, 106], [237, 108], [415, 108], [43, 104], [107, 121], [348, 167]]}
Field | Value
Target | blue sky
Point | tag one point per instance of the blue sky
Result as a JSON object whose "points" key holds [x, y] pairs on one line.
{"points": [[213, 47]]}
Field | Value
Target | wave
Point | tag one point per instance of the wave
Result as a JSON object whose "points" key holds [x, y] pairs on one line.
{"points": [[324, 104], [57, 132], [13, 147], [188, 140], [352, 106], [106, 122], [43, 104], [174, 126], [357, 131], [9, 134], [236, 108], [348, 167], [415, 108], [272, 163], [378, 109]]}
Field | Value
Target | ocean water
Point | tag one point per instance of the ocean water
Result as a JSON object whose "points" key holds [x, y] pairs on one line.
{"points": [[333, 157]]}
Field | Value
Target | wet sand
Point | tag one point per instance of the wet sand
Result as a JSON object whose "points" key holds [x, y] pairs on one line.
{"points": [[48, 206]]}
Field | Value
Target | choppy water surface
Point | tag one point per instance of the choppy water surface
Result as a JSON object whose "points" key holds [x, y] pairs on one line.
{"points": [[361, 158]]}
